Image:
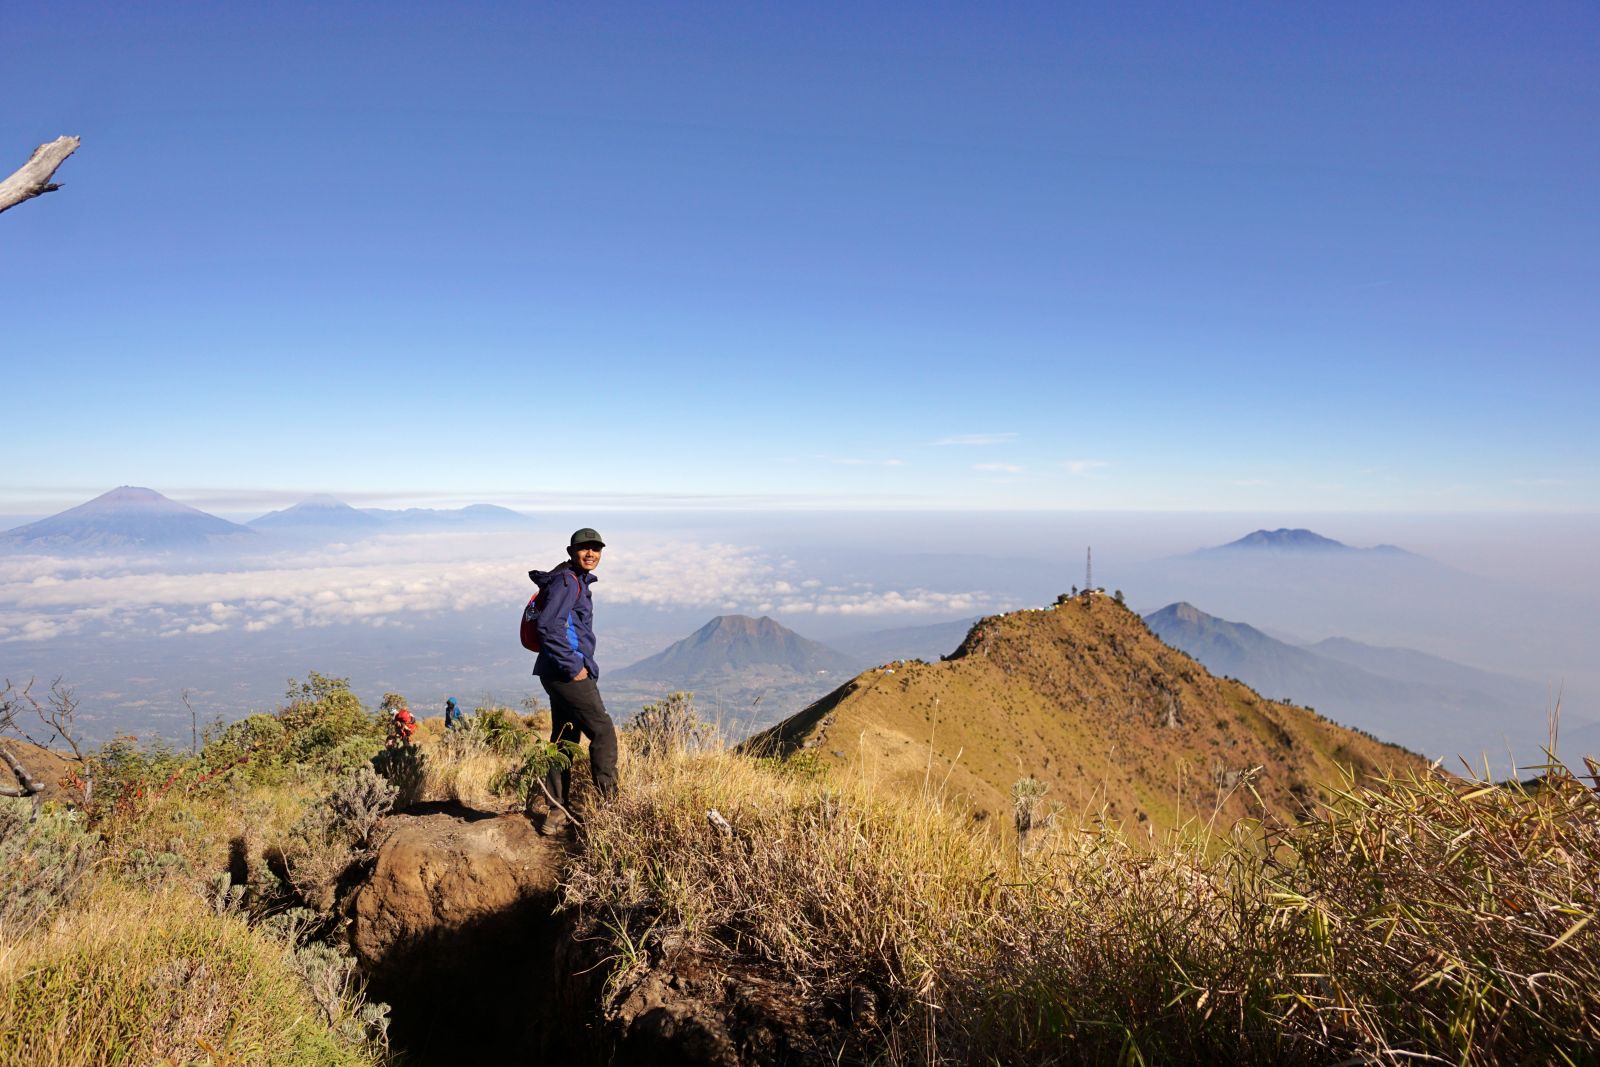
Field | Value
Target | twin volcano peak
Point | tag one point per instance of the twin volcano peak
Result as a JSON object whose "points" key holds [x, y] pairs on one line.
{"points": [[1284, 539]]}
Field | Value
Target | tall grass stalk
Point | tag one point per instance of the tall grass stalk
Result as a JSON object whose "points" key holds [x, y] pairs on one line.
{"points": [[1426, 917]]}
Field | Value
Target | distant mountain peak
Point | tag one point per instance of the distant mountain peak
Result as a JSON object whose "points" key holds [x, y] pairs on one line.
{"points": [[1296, 542], [736, 642], [129, 516], [1185, 612], [319, 511], [1285, 539]]}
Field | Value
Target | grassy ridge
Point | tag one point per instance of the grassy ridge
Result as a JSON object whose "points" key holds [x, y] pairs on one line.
{"points": [[1421, 916], [1084, 697]]}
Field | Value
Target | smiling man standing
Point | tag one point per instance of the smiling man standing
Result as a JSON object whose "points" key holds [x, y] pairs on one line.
{"points": [[568, 672]]}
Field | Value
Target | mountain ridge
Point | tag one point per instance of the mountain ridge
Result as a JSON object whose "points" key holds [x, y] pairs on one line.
{"points": [[1084, 697], [1426, 702]]}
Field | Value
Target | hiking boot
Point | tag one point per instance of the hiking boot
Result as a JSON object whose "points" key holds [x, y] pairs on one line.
{"points": [[555, 824]]}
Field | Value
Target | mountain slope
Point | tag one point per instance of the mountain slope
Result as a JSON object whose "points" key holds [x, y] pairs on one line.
{"points": [[1084, 697], [126, 517], [1425, 702]]}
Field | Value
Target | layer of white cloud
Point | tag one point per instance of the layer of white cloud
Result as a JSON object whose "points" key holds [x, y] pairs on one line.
{"points": [[388, 581]]}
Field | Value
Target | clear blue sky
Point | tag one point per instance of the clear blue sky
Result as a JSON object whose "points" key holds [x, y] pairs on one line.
{"points": [[1294, 256]]}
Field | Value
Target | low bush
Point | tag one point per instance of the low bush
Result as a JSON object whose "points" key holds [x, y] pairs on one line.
{"points": [[335, 834], [1422, 919], [44, 858], [670, 725], [135, 978]]}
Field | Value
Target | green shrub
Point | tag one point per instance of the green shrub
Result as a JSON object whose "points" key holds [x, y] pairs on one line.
{"points": [[668, 726], [523, 781], [498, 729], [406, 768], [335, 834], [43, 861]]}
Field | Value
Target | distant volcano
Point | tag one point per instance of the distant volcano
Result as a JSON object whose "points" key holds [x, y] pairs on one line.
{"points": [[738, 643], [1296, 542], [320, 513], [126, 517], [328, 517]]}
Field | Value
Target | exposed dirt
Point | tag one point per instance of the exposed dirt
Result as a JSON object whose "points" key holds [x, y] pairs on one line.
{"points": [[58, 773]]}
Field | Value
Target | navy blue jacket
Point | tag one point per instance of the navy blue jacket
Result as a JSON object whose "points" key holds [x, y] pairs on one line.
{"points": [[566, 624]]}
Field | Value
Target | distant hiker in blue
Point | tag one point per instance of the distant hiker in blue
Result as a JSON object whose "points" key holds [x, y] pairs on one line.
{"points": [[454, 717], [568, 672]]}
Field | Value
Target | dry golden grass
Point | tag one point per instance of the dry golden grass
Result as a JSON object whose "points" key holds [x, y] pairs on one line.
{"points": [[138, 978], [1422, 917], [1089, 701], [470, 765]]}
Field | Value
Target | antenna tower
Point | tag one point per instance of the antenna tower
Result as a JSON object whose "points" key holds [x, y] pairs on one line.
{"points": [[1088, 569]]}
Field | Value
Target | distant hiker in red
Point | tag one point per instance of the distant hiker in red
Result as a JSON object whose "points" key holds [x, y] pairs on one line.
{"points": [[564, 622], [403, 725]]}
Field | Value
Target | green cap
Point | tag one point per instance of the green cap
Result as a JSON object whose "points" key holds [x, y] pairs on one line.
{"points": [[586, 536]]}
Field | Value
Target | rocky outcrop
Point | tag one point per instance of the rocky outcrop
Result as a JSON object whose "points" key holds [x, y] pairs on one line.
{"points": [[445, 873], [454, 929], [457, 928]]}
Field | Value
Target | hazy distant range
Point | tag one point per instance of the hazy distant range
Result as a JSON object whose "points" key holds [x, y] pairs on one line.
{"points": [[420, 601]]}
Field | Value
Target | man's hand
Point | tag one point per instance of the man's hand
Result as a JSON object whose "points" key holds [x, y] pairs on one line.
{"points": [[582, 675]]}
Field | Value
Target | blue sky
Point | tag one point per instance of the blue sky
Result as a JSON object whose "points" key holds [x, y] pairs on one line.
{"points": [[1256, 257]]}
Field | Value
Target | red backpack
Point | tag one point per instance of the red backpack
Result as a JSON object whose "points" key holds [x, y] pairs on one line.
{"points": [[530, 620]]}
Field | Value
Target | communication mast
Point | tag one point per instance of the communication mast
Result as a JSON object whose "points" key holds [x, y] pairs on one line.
{"points": [[1088, 569]]}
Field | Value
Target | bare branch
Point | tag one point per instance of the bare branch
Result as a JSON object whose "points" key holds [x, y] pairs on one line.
{"points": [[33, 177], [58, 712], [61, 713]]}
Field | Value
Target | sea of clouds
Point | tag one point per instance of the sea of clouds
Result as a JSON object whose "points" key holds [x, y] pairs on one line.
{"points": [[392, 579]]}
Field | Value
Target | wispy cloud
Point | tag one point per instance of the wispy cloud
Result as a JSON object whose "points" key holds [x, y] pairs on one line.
{"points": [[1083, 467], [858, 461], [998, 468], [976, 439]]}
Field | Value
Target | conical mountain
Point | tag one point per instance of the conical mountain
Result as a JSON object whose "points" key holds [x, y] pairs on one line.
{"points": [[126, 517], [738, 643], [1083, 697]]}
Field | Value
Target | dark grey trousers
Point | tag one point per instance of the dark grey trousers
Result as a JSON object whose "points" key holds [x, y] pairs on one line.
{"points": [[576, 709]]}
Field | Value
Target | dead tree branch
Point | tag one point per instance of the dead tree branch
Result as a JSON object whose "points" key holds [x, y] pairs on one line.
{"points": [[33, 177], [27, 785], [58, 711]]}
